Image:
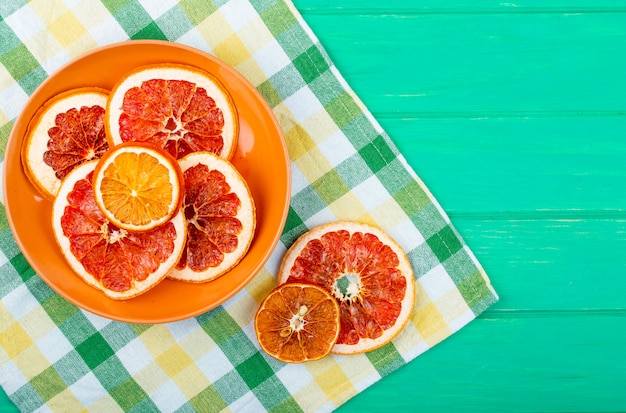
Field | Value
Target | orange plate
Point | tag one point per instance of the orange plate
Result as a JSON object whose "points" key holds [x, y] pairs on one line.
{"points": [[261, 157]]}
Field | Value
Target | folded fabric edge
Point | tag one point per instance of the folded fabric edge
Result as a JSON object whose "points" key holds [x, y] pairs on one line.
{"points": [[400, 156]]}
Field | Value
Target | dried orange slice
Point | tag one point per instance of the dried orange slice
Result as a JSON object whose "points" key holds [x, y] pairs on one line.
{"points": [[220, 216], [179, 108], [121, 263], [297, 322], [366, 271], [137, 186], [65, 132]]}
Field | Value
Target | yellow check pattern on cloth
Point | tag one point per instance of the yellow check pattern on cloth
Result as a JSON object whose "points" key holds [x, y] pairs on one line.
{"points": [[55, 356]]}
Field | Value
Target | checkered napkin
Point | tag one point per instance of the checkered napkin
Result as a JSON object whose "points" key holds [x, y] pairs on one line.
{"points": [[55, 356]]}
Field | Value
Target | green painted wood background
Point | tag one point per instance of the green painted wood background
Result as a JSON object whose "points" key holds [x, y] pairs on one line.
{"points": [[514, 115]]}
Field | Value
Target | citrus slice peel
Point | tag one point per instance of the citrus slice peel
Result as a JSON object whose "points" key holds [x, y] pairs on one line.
{"points": [[220, 215], [67, 130], [122, 264], [297, 322], [366, 271], [137, 186], [179, 108]]}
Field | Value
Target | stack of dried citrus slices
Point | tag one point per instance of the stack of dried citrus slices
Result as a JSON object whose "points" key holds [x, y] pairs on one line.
{"points": [[344, 287], [141, 181]]}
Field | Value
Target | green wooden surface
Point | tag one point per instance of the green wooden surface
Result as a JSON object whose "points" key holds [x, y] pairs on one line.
{"points": [[514, 115]]}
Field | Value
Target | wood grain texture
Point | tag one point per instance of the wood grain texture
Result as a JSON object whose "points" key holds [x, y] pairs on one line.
{"points": [[514, 115]]}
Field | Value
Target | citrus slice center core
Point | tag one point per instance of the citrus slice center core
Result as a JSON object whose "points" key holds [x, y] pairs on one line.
{"points": [[347, 287], [297, 322], [137, 186], [146, 196]]}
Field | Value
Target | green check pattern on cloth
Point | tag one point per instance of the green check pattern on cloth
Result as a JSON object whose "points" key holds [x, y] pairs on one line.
{"points": [[55, 356]]}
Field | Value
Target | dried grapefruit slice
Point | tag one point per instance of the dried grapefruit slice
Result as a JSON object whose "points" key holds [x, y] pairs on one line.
{"points": [[121, 263], [137, 186], [220, 215], [366, 271], [297, 322], [180, 108], [65, 132]]}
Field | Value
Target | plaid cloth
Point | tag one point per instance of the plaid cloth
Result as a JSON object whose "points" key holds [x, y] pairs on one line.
{"points": [[55, 356]]}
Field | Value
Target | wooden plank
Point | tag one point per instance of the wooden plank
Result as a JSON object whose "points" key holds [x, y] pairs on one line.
{"points": [[492, 166], [541, 362], [551, 264], [458, 6], [496, 64]]}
